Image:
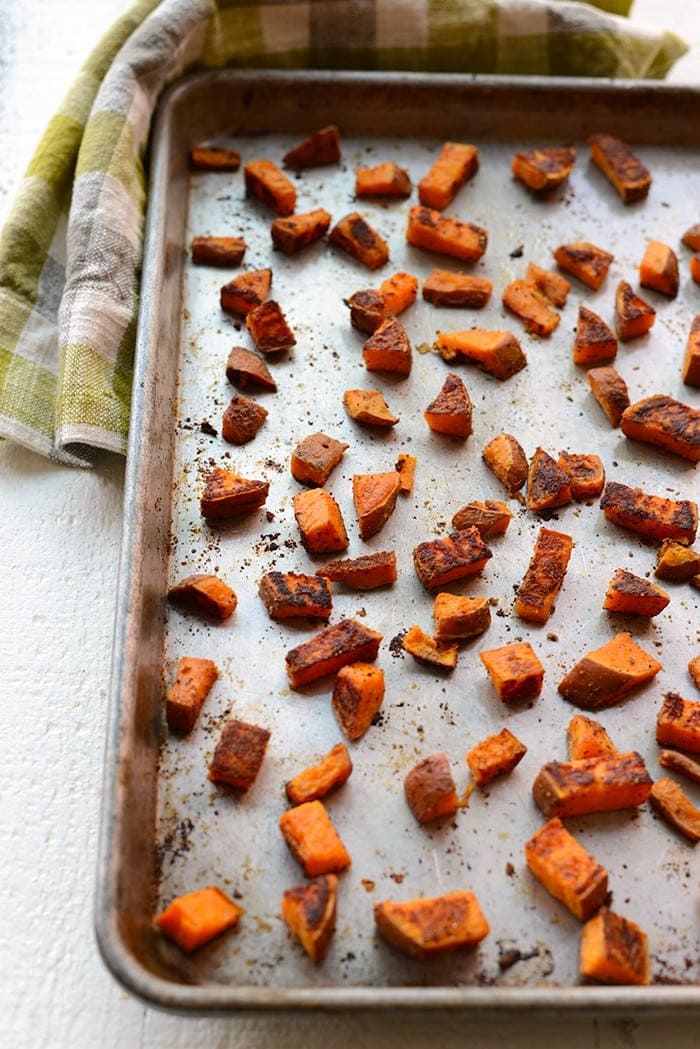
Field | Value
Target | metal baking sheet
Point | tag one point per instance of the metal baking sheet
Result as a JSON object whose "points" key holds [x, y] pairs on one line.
{"points": [[167, 829]]}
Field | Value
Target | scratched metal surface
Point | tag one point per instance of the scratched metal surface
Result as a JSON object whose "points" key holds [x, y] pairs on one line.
{"points": [[208, 835]]}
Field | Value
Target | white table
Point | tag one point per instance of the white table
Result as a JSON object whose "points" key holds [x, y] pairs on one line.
{"points": [[59, 537]]}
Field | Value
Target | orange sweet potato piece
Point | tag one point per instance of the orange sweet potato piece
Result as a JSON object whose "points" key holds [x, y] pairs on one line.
{"points": [[294, 232], [239, 754], [427, 927], [490, 517], [605, 675], [374, 496], [438, 562], [457, 618], [362, 573], [495, 756], [247, 291], [548, 486], [388, 349], [586, 471], [545, 168], [204, 593], [197, 917], [268, 327], [384, 180], [621, 167], [193, 682], [430, 651], [443, 288], [309, 912], [633, 316], [315, 457], [678, 723], [631, 595], [585, 261], [674, 806], [334, 647], [610, 391], [217, 251], [677, 562], [614, 950], [682, 763], [659, 269], [691, 237], [666, 423], [691, 361], [430, 230], [600, 784], [357, 696], [595, 340], [506, 459], [320, 521], [456, 163], [695, 268], [566, 870], [369, 408], [290, 595], [430, 789], [315, 782], [694, 670], [515, 671], [228, 495], [450, 412], [244, 368], [543, 579], [398, 292], [242, 419], [367, 310], [531, 306], [406, 469], [497, 352], [264, 180], [320, 148], [551, 284], [313, 840], [587, 738], [652, 516], [354, 235], [215, 158]]}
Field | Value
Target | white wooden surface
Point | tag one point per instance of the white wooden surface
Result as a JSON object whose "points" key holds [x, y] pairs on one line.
{"points": [[59, 546]]}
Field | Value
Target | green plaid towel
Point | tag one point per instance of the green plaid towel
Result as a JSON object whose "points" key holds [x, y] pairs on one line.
{"points": [[69, 283]]}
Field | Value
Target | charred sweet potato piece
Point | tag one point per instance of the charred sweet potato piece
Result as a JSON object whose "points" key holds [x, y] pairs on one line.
{"points": [[633, 316], [551, 284], [530, 305], [495, 756], [426, 927], [443, 288], [345, 642], [374, 496], [543, 579], [315, 782], [506, 459], [320, 148], [586, 471], [313, 840], [291, 595], [515, 671], [309, 912], [600, 784], [545, 168], [610, 391], [623, 170], [438, 562], [456, 163], [585, 261], [676, 808], [652, 516], [369, 308], [406, 469], [450, 412], [247, 291], [264, 180], [357, 696], [614, 950], [490, 517], [666, 423], [197, 917], [215, 158], [204, 593], [631, 595], [430, 789], [587, 738], [383, 180], [369, 408], [242, 419], [362, 573], [388, 349], [548, 486], [217, 251], [659, 269], [268, 327], [677, 562], [293, 233], [497, 352], [193, 683], [315, 457], [595, 340], [678, 723], [682, 763], [458, 618], [430, 230], [398, 292], [320, 521], [606, 674], [691, 361], [566, 870], [228, 495], [239, 754], [244, 368], [354, 235], [430, 651]]}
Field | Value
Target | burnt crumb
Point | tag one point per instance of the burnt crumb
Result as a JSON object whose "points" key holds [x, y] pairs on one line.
{"points": [[378, 719], [206, 427], [509, 956], [291, 544], [176, 843], [500, 613], [272, 464], [349, 957], [552, 637], [517, 253], [510, 869], [269, 516], [396, 645], [398, 878], [268, 543]]}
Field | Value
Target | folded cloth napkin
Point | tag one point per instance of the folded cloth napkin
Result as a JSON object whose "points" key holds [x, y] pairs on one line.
{"points": [[71, 248]]}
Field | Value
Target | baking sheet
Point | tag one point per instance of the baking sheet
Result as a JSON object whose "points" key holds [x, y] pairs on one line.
{"points": [[189, 832]]}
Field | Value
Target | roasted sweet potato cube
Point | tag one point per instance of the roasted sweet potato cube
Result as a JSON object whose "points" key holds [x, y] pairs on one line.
{"points": [[383, 180], [215, 158], [458, 618], [495, 756], [313, 840], [506, 460], [614, 950], [605, 675], [691, 361], [315, 782], [264, 180], [566, 870], [228, 495], [587, 738], [357, 696], [309, 912], [217, 251], [242, 419], [586, 471], [491, 517], [543, 579], [676, 808], [694, 669], [599, 784], [430, 789], [585, 261], [244, 368], [665, 423], [204, 593], [247, 291], [315, 457], [677, 562], [320, 521], [548, 486], [443, 288], [432, 231], [193, 682], [345, 642], [239, 754], [595, 340], [682, 763], [623, 170], [406, 469], [367, 310], [292, 233], [633, 316], [610, 391], [497, 352], [456, 163], [632, 595], [369, 408], [388, 349], [531, 306], [291, 595], [362, 573], [691, 237], [354, 235], [398, 291], [431, 652], [197, 917], [652, 516], [515, 671], [545, 168], [678, 723], [320, 148], [268, 327], [426, 927], [374, 496], [438, 562], [450, 412], [550, 283], [659, 269]]}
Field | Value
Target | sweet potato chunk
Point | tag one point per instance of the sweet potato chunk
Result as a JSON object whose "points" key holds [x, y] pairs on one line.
{"points": [[369, 408], [548, 486], [228, 495], [193, 683], [313, 840], [354, 235], [678, 723], [357, 696], [217, 251], [605, 675], [430, 651], [370, 308], [585, 261], [242, 419], [614, 950], [691, 237], [674, 806], [295, 232], [443, 288], [264, 180], [244, 368], [388, 349], [497, 352], [633, 316], [659, 269], [268, 327], [586, 471], [677, 562], [599, 784], [506, 459], [346, 642], [610, 391], [566, 870], [204, 593], [215, 158], [666, 423], [320, 148], [320, 521], [406, 469], [383, 180], [430, 230], [426, 927], [458, 618], [551, 284], [631, 595], [515, 671], [694, 670], [450, 412], [652, 516], [683, 763], [362, 573], [543, 579], [587, 738], [595, 341], [438, 562], [374, 496], [247, 291], [691, 361], [495, 756], [291, 595], [530, 305], [545, 168], [239, 754], [309, 912], [315, 457], [197, 917], [456, 164], [315, 782], [694, 266], [490, 517], [623, 170], [398, 291], [430, 789]]}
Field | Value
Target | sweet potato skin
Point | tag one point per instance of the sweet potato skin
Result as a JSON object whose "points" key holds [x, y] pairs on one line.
{"points": [[605, 676], [666, 423], [652, 516], [566, 870], [424, 928], [345, 642], [614, 950], [598, 784], [430, 789]]}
